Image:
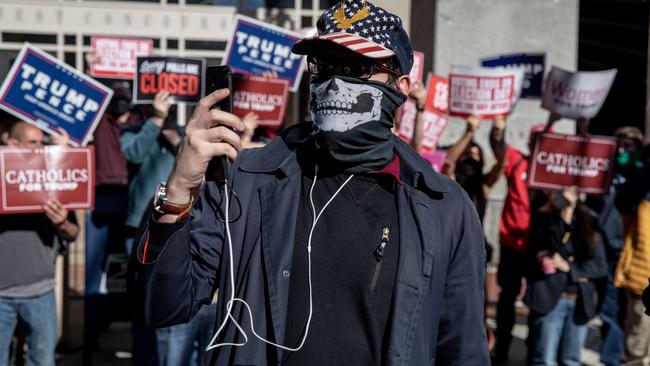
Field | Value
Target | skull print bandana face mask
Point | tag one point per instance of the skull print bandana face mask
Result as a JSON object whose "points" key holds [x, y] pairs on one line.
{"points": [[352, 122]]}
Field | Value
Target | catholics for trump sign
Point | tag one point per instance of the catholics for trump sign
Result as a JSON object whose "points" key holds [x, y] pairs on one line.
{"points": [[482, 92], [561, 161], [265, 97], [532, 65], [183, 78], [116, 56], [30, 177], [577, 94], [49, 94], [256, 47]]}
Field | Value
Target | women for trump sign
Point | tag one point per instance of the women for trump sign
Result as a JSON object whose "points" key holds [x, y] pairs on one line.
{"points": [[30, 177], [577, 94]]}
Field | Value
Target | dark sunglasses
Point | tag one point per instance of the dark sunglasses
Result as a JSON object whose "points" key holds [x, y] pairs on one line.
{"points": [[359, 70]]}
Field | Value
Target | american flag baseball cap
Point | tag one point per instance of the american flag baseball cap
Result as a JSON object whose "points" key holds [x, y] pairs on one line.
{"points": [[363, 28]]}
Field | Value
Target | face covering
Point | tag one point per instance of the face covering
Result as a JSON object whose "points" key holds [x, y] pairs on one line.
{"points": [[352, 122], [118, 107]]}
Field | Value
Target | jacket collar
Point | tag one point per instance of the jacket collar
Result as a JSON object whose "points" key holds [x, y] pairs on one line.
{"points": [[280, 155]]}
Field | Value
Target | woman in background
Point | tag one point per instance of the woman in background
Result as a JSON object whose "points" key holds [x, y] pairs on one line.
{"points": [[565, 256]]}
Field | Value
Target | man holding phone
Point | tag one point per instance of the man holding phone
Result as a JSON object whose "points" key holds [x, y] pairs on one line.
{"points": [[339, 244]]}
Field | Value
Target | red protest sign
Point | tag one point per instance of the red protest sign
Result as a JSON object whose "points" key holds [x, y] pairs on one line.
{"points": [[32, 176], [433, 125], [482, 92], [437, 94], [417, 71], [265, 97], [560, 161], [116, 56]]}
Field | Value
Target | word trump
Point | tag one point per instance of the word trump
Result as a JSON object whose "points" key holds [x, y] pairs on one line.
{"points": [[264, 50], [56, 94], [36, 180]]}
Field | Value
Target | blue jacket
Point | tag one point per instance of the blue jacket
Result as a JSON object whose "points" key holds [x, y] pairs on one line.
{"points": [[151, 159], [437, 310]]}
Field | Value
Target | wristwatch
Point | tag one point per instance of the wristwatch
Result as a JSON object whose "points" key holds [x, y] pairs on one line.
{"points": [[161, 206]]}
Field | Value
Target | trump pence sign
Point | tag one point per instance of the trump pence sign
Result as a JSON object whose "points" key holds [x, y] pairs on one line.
{"points": [[49, 94], [561, 161], [30, 177], [256, 47]]}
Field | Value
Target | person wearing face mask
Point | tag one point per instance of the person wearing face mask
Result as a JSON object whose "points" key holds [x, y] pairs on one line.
{"points": [[341, 245]]}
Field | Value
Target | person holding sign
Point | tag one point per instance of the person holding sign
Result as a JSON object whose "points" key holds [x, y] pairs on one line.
{"points": [[29, 244], [464, 162], [339, 244], [565, 257], [513, 238]]}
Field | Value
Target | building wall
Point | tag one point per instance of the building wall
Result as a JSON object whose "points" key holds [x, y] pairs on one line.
{"points": [[467, 30]]}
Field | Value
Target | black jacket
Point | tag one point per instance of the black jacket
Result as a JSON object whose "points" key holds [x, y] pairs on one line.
{"points": [[547, 231], [437, 310]]}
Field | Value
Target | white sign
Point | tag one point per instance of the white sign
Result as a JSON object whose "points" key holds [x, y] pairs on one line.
{"points": [[577, 94], [483, 92], [116, 56]]}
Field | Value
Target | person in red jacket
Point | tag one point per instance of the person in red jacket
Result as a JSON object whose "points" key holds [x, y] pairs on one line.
{"points": [[513, 237]]}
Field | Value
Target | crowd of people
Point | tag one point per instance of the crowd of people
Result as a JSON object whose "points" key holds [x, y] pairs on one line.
{"points": [[392, 296]]}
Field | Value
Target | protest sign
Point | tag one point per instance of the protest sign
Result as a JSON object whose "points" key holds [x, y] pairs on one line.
{"points": [[483, 92], [30, 177], [577, 95], [116, 56], [433, 125], [256, 47], [183, 78], [437, 94], [265, 97], [49, 94], [561, 161], [417, 71], [532, 65], [436, 159]]}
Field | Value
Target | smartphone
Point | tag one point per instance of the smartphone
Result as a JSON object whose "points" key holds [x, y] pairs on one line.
{"points": [[219, 77]]}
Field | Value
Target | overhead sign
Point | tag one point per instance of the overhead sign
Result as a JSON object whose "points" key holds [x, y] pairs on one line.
{"points": [[256, 47], [577, 94], [437, 94], [30, 177], [482, 92], [433, 125], [417, 71], [183, 78], [265, 97], [533, 65], [561, 161], [116, 56], [49, 94]]}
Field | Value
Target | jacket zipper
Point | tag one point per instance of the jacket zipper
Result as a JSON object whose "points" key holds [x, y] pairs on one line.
{"points": [[379, 256]]}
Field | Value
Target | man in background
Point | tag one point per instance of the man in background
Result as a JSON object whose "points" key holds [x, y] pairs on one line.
{"points": [[29, 244]]}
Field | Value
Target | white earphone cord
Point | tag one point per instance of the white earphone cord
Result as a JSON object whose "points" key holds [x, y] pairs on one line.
{"points": [[232, 300]]}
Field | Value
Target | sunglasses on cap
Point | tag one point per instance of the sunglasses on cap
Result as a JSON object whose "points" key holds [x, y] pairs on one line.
{"points": [[352, 68]]}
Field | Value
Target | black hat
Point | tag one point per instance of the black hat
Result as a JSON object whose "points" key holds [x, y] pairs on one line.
{"points": [[363, 28]]}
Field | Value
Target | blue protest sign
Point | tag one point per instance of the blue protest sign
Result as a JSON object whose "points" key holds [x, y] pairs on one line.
{"points": [[256, 47], [533, 65], [49, 94]]}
